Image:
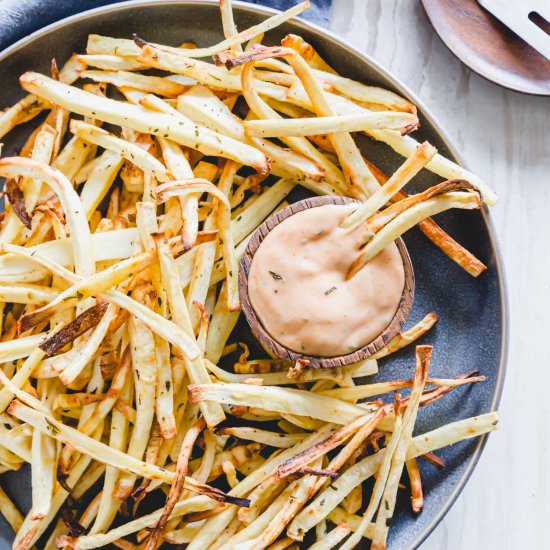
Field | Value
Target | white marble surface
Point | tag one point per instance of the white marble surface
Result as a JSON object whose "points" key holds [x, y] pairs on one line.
{"points": [[505, 138]]}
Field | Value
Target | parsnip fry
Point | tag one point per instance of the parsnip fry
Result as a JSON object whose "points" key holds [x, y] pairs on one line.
{"points": [[350, 158], [247, 34], [16, 200], [143, 120], [196, 370], [423, 358], [157, 323], [367, 467], [144, 365], [467, 200], [111, 62], [20, 347], [100, 282], [76, 220], [80, 325], [139, 156], [10, 117], [273, 398], [337, 535], [417, 498], [405, 338], [120, 78], [90, 542], [329, 124], [307, 51], [399, 179], [8, 509], [332, 174], [279, 440], [177, 486], [369, 390], [406, 145], [106, 454], [186, 187]]}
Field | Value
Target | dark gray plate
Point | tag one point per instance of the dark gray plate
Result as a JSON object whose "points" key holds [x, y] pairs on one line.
{"points": [[472, 331]]}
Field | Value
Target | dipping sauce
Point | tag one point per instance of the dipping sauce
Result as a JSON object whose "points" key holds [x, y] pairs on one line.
{"points": [[298, 289]]}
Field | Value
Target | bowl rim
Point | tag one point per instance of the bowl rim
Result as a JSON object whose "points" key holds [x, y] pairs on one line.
{"points": [[323, 33], [254, 319]]}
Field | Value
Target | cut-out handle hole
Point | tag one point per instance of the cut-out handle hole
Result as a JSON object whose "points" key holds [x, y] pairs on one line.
{"points": [[540, 21]]}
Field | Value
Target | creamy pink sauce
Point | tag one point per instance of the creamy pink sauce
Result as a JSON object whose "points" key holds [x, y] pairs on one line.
{"points": [[298, 289]]}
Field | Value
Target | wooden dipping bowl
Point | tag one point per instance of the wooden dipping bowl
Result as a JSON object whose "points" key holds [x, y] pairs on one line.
{"points": [[278, 350]]}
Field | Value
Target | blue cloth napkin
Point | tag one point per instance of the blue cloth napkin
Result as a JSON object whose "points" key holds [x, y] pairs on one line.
{"points": [[19, 18]]}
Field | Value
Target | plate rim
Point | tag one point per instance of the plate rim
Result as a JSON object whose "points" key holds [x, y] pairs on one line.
{"points": [[404, 90], [476, 70]]}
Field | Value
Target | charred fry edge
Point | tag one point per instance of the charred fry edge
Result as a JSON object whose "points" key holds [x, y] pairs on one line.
{"points": [[78, 326]]}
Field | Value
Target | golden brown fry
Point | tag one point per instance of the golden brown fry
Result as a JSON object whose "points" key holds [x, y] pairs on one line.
{"points": [[195, 185], [17, 202], [432, 458], [413, 211], [438, 236], [143, 120], [378, 220], [307, 51], [177, 487], [417, 499], [456, 252], [306, 457], [405, 338], [393, 185], [82, 323]]}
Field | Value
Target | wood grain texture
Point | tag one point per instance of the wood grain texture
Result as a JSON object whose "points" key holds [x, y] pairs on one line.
{"points": [[396, 324], [504, 137], [489, 47]]}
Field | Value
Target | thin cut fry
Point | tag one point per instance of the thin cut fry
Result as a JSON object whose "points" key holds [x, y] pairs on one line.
{"points": [[196, 370], [131, 151], [455, 199], [307, 51], [121, 78], [78, 225], [272, 439], [247, 34], [423, 358], [104, 453], [399, 179], [111, 62], [273, 398], [350, 158], [143, 120], [186, 187], [337, 535], [405, 338], [297, 462], [417, 499], [177, 486], [12, 515], [329, 124], [79, 326]]}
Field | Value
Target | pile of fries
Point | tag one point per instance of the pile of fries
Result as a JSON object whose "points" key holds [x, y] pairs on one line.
{"points": [[124, 383]]}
